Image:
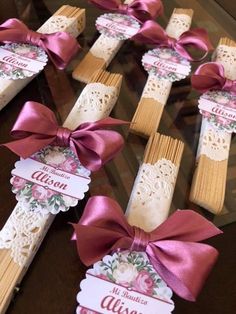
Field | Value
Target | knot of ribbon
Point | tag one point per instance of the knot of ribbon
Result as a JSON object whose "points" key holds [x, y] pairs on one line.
{"points": [[211, 76], [172, 248], [59, 46], [37, 127], [152, 33], [142, 10]]}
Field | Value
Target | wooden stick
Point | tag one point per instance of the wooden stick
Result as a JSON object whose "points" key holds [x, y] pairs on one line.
{"points": [[98, 58], [9, 88], [156, 92], [153, 188], [91, 105], [209, 179], [10, 272]]}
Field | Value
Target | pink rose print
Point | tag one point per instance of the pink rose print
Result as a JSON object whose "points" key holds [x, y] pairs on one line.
{"points": [[69, 165], [206, 114], [7, 68], [232, 104], [30, 55], [40, 193], [85, 311], [144, 283], [18, 183], [223, 121]]}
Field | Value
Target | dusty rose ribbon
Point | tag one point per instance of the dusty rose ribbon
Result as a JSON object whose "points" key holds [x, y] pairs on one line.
{"points": [[152, 33], [172, 247], [60, 46], [36, 127], [211, 76], [142, 10]]}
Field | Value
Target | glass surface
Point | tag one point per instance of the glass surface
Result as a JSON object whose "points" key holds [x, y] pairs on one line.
{"points": [[59, 91]]}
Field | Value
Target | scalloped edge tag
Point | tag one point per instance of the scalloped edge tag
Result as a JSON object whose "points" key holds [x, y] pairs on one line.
{"points": [[166, 64], [19, 61], [117, 26], [124, 282], [51, 181], [219, 108]]}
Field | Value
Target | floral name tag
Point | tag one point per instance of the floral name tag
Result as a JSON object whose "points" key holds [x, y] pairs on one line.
{"points": [[124, 283], [166, 64], [117, 26], [52, 180], [219, 107], [19, 61]]}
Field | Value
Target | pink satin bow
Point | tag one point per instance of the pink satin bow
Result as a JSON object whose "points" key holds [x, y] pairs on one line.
{"points": [[152, 33], [172, 247], [36, 127], [142, 10], [60, 46], [211, 76]]}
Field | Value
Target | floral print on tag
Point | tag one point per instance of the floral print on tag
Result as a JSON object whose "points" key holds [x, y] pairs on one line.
{"points": [[40, 199], [117, 26], [12, 72], [165, 55], [132, 270], [224, 115]]}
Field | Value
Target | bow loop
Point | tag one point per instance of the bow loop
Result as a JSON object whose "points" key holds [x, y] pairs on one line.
{"points": [[142, 10], [152, 33], [59, 46], [211, 76], [172, 249], [36, 127]]}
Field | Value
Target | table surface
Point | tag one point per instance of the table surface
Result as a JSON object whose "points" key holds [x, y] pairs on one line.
{"points": [[52, 281]]}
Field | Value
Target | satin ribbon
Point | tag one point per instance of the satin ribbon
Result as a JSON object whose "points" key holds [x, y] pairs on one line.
{"points": [[36, 127], [152, 33], [142, 10], [172, 247], [211, 76], [59, 46]]}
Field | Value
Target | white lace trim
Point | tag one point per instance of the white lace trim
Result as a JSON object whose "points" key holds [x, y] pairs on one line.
{"points": [[23, 234], [226, 56], [106, 48], [178, 24], [94, 103], [61, 23], [152, 194], [213, 143], [157, 89]]}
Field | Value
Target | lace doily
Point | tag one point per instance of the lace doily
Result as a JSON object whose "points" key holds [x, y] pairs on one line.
{"points": [[152, 193], [95, 102], [61, 23], [226, 56], [23, 233], [213, 143], [157, 89], [106, 48], [178, 24]]}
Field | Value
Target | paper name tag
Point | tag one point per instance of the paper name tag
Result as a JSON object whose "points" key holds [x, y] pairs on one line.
{"points": [[219, 107], [124, 283], [166, 64], [117, 26], [51, 181], [18, 61]]}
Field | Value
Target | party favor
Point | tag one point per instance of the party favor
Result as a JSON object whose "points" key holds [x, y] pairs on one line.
{"points": [[25, 52], [217, 82], [123, 22], [52, 175], [167, 63]]}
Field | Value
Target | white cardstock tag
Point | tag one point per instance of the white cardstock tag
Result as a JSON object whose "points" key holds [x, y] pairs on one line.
{"points": [[51, 181], [117, 26], [167, 64], [219, 107], [18, 61], [127, 283]]}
